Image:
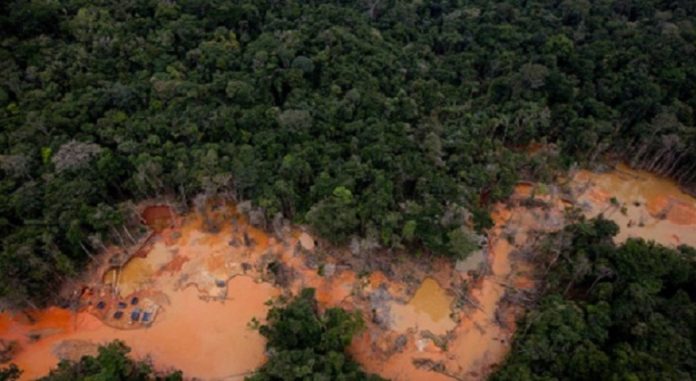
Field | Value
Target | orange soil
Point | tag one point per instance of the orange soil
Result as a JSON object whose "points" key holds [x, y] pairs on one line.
{"points": [[478, 341], [176, 340], [675, 211], [209, 287]]}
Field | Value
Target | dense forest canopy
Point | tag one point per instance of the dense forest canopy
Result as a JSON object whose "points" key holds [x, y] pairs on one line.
{"points": [[398, 121], [610, 312]]}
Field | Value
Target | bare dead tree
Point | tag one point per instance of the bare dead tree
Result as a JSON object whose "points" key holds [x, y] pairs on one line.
{"points": [[89, 254], [372, 8], [128, 234]]}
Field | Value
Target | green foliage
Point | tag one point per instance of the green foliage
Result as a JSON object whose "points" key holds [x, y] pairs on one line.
{"points": [[409, 230], [610, 313], [307, 345], [409, 106], [112, 363], [461, 243], [335, 217]]}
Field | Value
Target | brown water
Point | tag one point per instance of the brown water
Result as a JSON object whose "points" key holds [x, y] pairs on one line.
{"points": [[205, 289], [647, 206], [429, 309]]}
